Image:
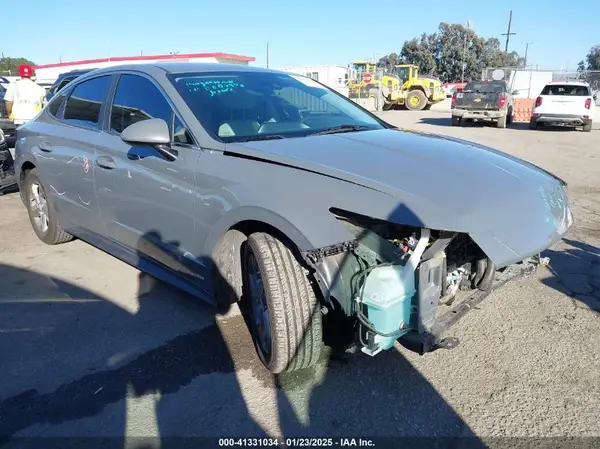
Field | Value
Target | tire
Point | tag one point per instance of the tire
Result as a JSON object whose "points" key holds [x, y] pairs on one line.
{"points": [[51, 233], [428, 107], [456, 121], [533, 125], [416, 100], [587, 128], [501, 123], [510, 117], [289, 305]]}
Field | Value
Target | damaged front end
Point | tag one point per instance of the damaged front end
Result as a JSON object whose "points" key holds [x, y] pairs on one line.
{"points": [[396, 283]]}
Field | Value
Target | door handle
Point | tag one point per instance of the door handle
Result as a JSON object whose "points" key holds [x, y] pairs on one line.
{"points": [[45, 147], [106, 162]]}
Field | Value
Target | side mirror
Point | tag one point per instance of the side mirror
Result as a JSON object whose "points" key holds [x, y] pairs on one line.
{"points": [[595, 97], [515, 92], [153, 132]]}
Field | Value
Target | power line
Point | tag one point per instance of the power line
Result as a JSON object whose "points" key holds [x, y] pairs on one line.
{"points": [[508, 34]]}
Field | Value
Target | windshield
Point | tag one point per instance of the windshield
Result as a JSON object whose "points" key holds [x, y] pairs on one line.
{"points": [[566, 89], [236, 106], [484, 87]]}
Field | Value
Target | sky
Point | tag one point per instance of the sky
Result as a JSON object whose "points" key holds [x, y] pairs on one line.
{"points": [[306, 32]]}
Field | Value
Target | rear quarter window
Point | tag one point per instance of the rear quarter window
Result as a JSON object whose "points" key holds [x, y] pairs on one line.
{"points": [[566, 89]]}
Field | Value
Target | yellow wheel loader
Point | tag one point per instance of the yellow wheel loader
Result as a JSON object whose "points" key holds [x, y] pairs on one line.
{"points": [[403, 87]]}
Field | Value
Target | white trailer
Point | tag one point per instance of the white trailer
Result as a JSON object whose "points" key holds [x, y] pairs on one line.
{"points": [[333, 76]]}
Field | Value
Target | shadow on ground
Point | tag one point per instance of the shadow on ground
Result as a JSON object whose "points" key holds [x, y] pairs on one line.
{"points": [[83, 366], [576, 273]]}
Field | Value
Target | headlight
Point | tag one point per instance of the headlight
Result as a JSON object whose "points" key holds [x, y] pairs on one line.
{"points": [[2, 139]]}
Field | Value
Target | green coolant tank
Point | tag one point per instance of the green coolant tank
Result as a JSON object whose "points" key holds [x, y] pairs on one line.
{"points": [[388, 295]]}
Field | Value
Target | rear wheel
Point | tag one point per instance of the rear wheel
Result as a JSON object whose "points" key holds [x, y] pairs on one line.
{"points": [[416, 100], [587, 128], [456, 121], [42, 215], [533, 125], [501, 123], [284, 312]]}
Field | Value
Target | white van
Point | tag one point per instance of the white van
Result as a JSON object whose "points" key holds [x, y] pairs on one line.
{"points": [[569, 103]]}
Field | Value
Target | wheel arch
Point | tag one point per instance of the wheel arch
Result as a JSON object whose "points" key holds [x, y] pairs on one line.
{"points": [[24, 168]]}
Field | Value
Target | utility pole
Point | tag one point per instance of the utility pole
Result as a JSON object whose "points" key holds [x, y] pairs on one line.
{"points": [[462, 80], [267, 54], [508, 34], [527, 44]]}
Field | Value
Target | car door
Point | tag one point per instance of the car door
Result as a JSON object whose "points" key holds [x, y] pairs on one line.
{"points": [[146, 201], [67, 149]]}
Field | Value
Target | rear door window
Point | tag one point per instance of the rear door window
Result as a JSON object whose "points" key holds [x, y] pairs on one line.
{"points": [[85, 102], [566, 89]]}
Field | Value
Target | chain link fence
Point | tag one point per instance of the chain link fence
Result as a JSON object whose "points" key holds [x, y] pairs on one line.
{"points": [[529, 82]]}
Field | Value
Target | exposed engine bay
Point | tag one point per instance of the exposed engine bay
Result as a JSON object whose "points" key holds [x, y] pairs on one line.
{"points": [[405, 284]]}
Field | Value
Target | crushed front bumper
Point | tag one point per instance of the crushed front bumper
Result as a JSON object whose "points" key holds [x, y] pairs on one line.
{"points": [[431, 333]]}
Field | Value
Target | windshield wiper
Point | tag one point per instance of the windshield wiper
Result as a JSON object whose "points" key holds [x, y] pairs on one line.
{"points": [[341, 129], [259, 137]]}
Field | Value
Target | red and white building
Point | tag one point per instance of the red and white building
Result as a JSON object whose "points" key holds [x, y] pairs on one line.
{"points": [[47, 73]]}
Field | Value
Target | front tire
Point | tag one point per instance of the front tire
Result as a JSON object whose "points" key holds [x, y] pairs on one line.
{"points": [[42, 215], [284, 312], [416, 100]]}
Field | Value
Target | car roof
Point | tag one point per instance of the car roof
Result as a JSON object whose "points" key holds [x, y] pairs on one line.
{"points": [[184, 67]]}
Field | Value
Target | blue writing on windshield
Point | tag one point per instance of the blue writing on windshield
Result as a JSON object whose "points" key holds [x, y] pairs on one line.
{"points": [[213, 87]]}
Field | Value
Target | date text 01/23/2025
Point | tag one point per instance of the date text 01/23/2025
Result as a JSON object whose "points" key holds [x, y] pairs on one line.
{"points": [[296, 442]]}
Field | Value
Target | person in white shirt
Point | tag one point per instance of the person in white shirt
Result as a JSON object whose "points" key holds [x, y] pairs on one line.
{"points": [[24, 98]]}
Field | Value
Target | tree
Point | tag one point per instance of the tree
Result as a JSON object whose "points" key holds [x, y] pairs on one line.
{"points": [[592, 60], [10, 66], [445, 52], [589, 69]]}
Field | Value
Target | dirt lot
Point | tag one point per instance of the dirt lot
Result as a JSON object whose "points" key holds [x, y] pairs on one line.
{"points": [[90, 347]]}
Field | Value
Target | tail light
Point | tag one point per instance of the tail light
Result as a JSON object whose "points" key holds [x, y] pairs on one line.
{"points": [[588, 103], [538, 102], [502, 101], [453, 99]]}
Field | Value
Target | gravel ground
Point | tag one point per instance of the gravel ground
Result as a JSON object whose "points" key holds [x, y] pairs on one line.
{"points": [[92, 348]]}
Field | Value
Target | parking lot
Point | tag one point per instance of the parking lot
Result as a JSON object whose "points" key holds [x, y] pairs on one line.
{"points": [[91, 347]]}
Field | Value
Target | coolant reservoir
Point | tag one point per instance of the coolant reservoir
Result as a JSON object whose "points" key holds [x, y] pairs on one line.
{"points": [[388, 294]]}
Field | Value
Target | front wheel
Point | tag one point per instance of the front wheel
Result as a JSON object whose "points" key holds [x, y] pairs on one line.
{"points": [[284, 312], [42, 216], [416, 100]]}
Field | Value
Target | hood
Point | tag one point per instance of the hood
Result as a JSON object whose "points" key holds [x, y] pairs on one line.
{"points": [[511, 208]]}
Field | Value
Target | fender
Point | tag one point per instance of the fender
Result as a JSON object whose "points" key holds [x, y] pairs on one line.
{"points": [[252, 213]]}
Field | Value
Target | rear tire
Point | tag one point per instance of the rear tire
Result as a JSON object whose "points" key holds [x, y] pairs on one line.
{"points": [[587, 128], [501, 123], [42, 214], [284, 312], [456, 121], [533, 125]]}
